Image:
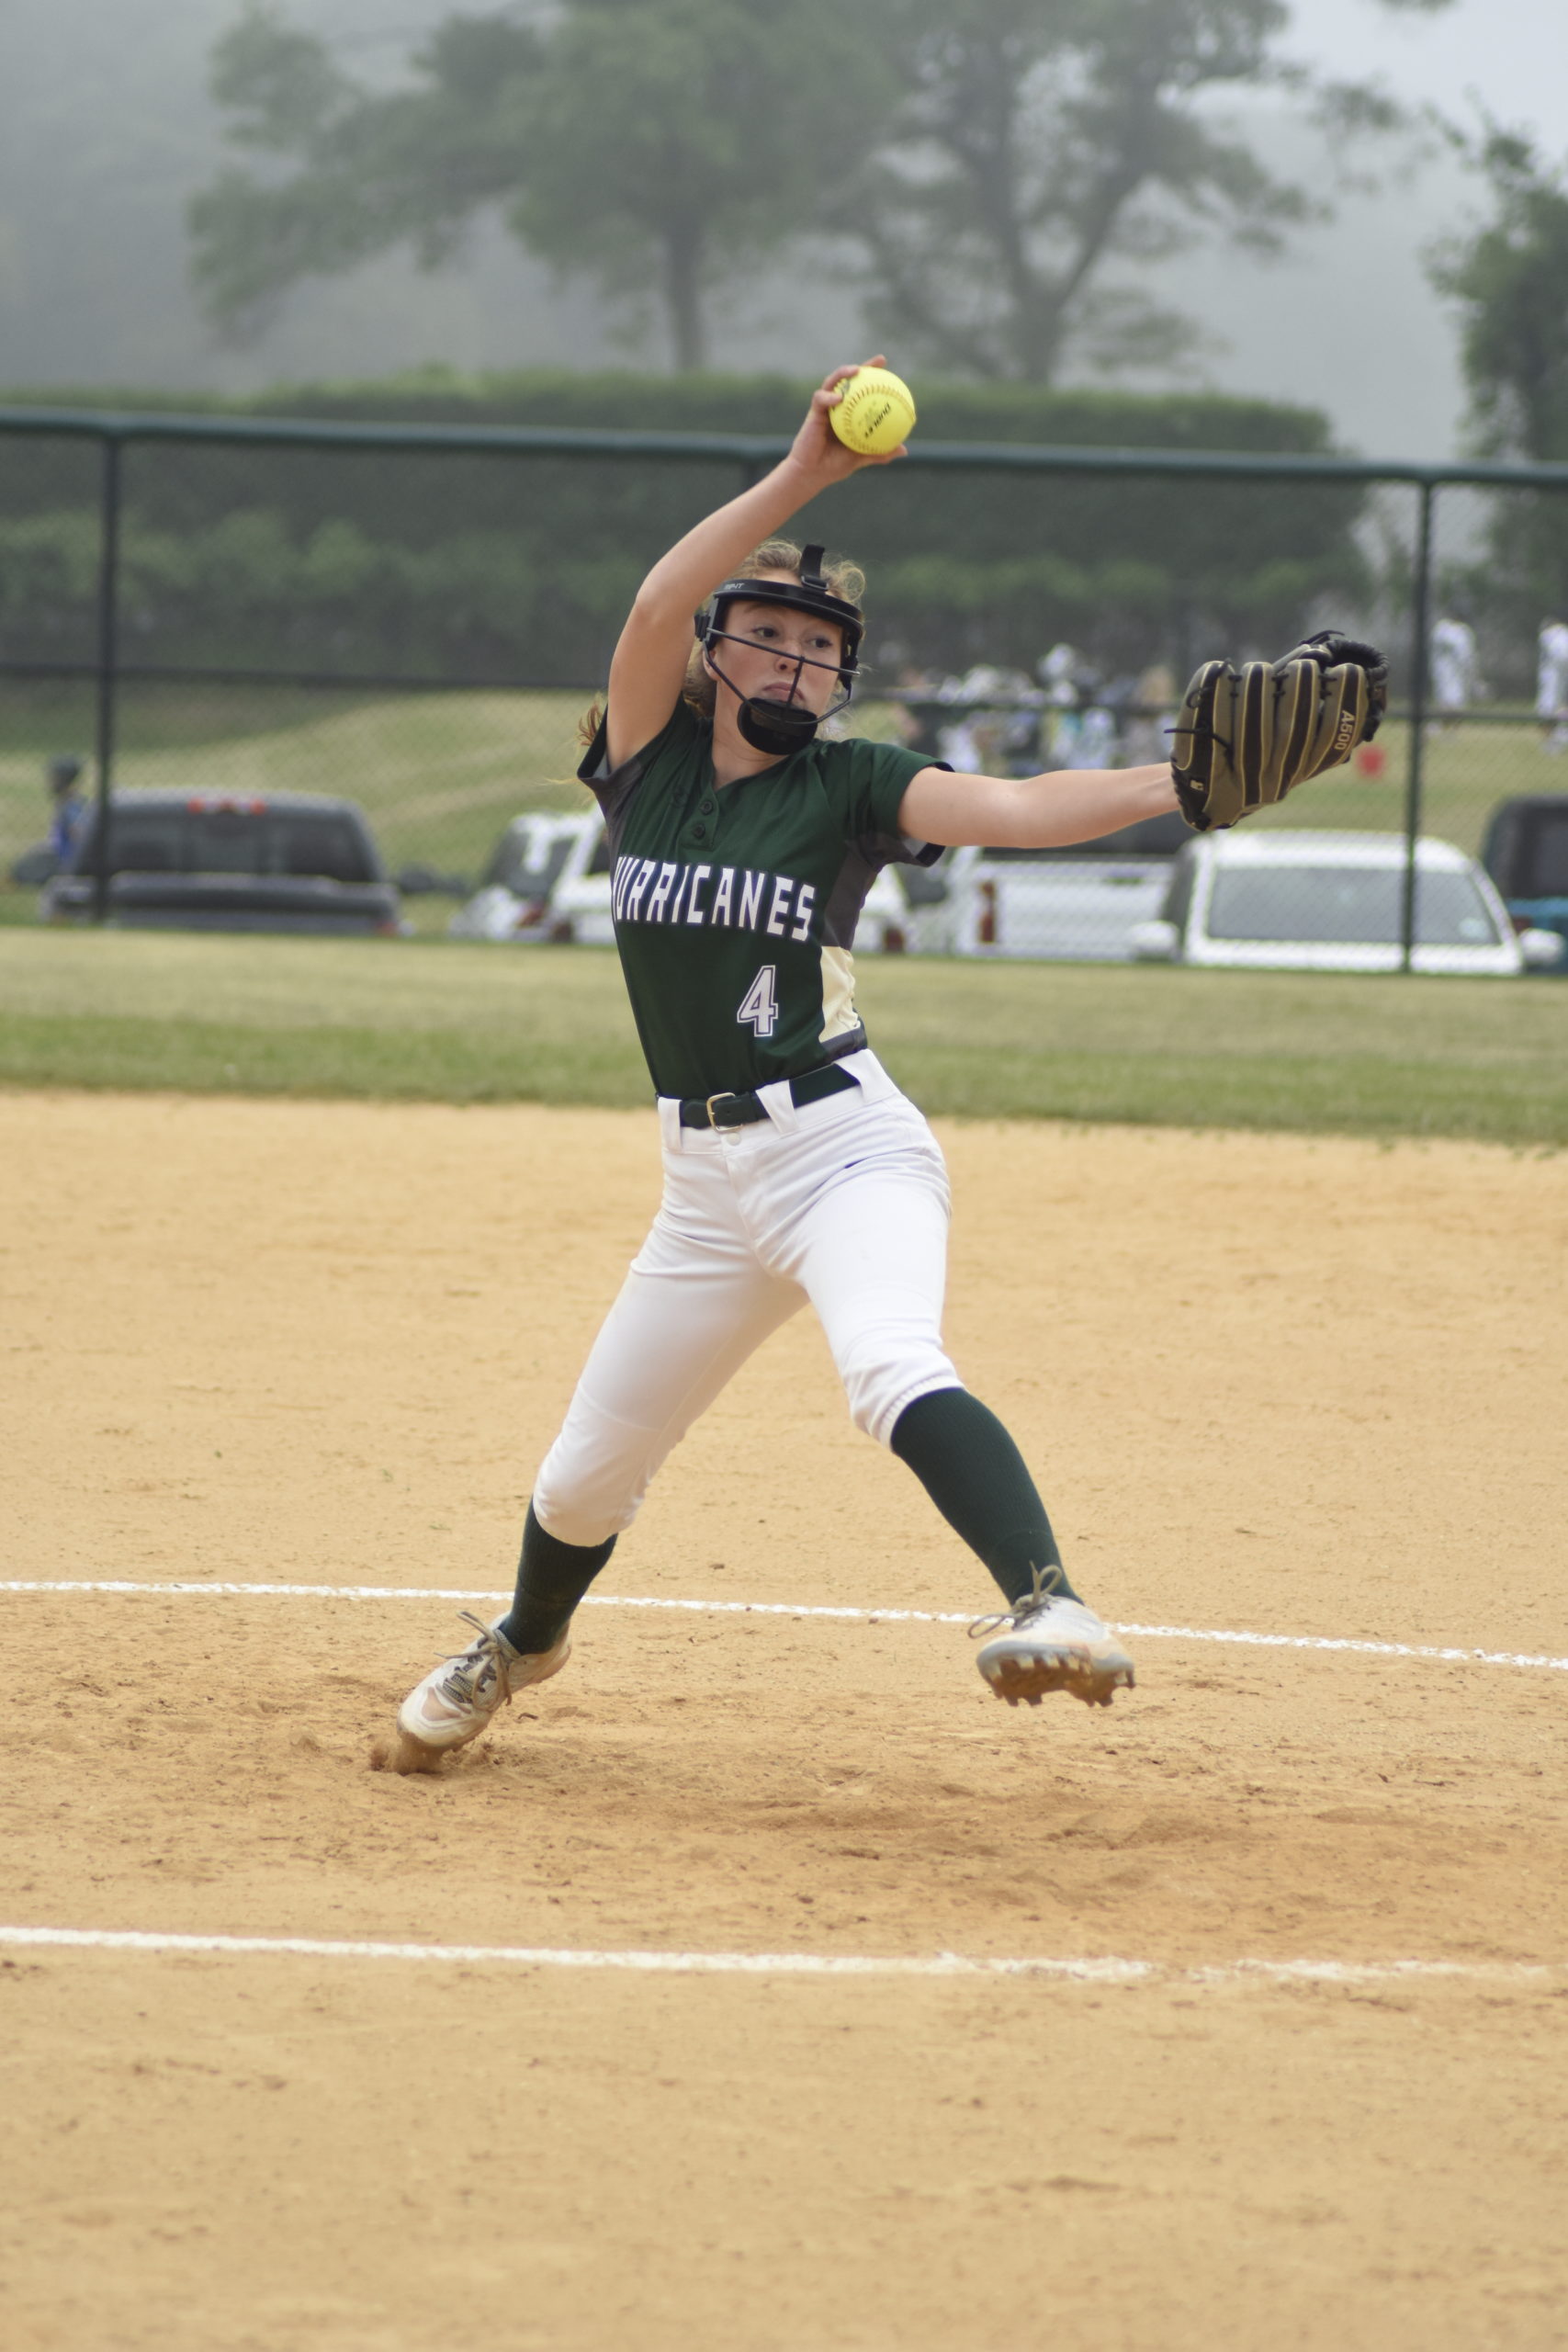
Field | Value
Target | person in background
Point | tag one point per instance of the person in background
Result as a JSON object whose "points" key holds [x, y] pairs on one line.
{"points": [[1552, 685], [1057, 672], [69, 807], [914, 715], [1455, 684], [1153, 716]]}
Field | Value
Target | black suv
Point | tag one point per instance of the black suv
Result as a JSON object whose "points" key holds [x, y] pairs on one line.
{"points": [[1526, 853], [210, 861]]}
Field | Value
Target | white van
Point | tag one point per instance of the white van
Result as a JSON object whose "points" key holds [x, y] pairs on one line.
{"points": [[1333, 902]]}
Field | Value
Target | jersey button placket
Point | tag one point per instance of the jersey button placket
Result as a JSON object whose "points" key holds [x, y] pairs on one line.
{"points": [[705, 808]]}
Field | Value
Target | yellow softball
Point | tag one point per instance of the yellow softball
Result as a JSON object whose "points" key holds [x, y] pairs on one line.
{"points": [[876, 412]]}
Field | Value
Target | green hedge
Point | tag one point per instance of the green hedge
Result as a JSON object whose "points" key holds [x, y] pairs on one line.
{"points": [[752, 404], [474, 566]]}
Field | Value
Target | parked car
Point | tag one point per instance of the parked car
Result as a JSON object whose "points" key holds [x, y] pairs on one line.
{"points": [[429, 882], [1526, 853], [536, 859], [1080, 904], [1332, 902], [207, 861], [36, 866]]}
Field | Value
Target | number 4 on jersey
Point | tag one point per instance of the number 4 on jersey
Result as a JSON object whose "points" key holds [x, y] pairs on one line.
{"points": [[759, 1005]]}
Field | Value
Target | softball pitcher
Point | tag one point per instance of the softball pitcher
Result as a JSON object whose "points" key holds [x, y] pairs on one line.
{"points": [[794, 1170]]}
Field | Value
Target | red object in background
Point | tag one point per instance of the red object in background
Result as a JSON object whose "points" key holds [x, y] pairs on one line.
{"points": [[1372, 760]]}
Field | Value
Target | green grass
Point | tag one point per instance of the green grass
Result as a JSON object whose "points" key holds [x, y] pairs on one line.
{"points": [[413, 1019]]}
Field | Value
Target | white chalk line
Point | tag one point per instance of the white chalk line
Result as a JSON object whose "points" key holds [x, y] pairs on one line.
{"points": [[785, 1609], [790, 1964]]}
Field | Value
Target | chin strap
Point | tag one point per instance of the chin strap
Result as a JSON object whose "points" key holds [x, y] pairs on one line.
{"points": [[779, 727]]}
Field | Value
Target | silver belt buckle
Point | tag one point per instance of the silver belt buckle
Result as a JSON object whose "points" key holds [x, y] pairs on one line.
{"points": [[727, 1096]]}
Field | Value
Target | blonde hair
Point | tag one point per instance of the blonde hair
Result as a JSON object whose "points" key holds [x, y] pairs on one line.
{"points": [[843, 579]]}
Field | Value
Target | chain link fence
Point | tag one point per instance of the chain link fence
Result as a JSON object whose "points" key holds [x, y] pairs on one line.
{"points": [[414, 618]]}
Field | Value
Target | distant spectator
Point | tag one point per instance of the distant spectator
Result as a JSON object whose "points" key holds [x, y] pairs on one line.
{"points": [[1455, 683], [913, 716], [958, 744], [1082, 733], [69, 807], [1085, 738], [1058, 674], [1552, 685], [1146, 737], [996, 724]]}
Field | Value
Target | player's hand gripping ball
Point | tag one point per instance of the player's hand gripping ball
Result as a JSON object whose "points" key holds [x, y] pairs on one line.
{"points": [[877, 413], [1245, 737]]}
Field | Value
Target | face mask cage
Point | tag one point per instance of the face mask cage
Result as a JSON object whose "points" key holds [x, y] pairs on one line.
{"points": [[766, 723]]}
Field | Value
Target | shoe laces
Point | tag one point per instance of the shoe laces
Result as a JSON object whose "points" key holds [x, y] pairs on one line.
{"points": [[1046, 1581], [469, 1672]]}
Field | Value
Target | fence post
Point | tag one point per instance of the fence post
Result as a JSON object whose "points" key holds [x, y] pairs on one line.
{"points": [[106, 666], [1421, 629]]}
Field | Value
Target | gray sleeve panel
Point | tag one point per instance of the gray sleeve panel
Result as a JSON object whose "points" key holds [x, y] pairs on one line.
{"points": [[842, 910], [898, 849], [865, 858], [893, 771], [612, 787], [912, 853], [615, 788]]}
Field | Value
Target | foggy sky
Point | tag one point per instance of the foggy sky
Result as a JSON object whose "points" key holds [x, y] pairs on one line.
{"points": [[105, 128], [1514, 53]]}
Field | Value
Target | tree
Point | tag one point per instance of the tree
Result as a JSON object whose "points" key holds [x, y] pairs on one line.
{"points": [[665, 147], [986, 162], [1040, 142], [703, 135], [1509, 281], [369, 170]]}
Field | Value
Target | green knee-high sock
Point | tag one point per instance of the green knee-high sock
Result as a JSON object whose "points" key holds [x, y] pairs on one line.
{"points": [[980, 1483], [552, 1577]]}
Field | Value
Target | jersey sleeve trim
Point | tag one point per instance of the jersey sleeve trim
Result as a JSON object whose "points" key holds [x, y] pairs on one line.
{"points": [[914, 852], [613, 787], [905, 849]]}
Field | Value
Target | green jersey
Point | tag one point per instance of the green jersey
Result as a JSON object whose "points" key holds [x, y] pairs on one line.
{"points": [[734, 908]]}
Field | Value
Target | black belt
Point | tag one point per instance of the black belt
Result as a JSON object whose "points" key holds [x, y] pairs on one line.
{"points": [[745, 1110]]}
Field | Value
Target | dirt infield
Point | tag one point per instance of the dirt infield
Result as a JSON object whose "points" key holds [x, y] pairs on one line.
{"points": [[1300, 1388]]}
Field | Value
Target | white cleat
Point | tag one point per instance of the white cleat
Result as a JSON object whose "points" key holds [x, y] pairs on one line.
{"points": [[1052, 1643], [457, 1698]]}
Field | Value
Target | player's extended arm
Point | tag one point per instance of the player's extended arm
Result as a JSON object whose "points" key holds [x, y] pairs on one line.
{"points": [[649, 664], [1032, 811]]}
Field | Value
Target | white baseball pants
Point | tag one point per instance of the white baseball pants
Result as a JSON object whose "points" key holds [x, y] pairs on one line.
{"points": [[843, 1203]]}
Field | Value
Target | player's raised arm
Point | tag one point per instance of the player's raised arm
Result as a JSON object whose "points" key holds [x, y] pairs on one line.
{"points": [[650, 663]]}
